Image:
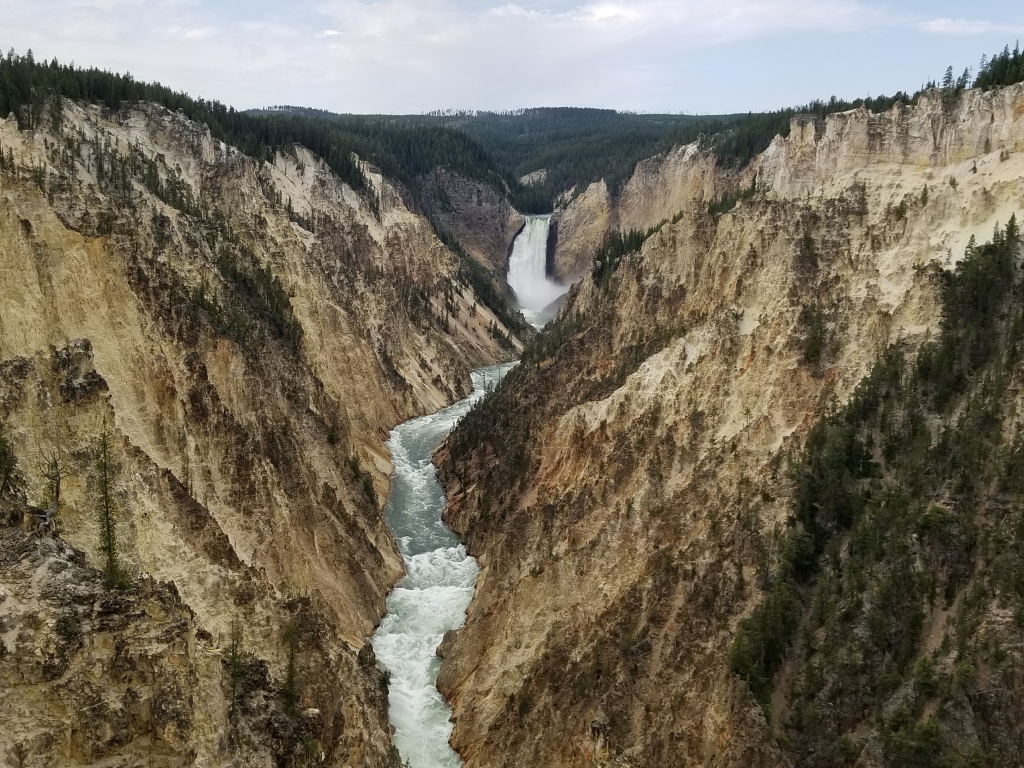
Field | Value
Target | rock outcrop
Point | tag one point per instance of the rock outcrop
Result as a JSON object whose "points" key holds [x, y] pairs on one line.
{"points": [[660, 188], [246, 334], [483, 221], [622, 520]]}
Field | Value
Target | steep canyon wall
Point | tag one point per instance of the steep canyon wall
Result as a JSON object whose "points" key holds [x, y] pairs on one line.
{"points": [[640, 484]]}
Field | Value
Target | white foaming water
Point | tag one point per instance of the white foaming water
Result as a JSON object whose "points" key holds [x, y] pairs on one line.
{"points": [[437, 587], [527, 271]]}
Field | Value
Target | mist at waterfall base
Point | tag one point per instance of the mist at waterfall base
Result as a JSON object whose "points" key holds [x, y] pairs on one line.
{"points": [[435, 592], [535, 292]]}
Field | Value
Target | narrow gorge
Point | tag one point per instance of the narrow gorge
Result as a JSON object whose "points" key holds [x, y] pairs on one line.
{"points": [[553, 438], [439, 578], [242, 334]]}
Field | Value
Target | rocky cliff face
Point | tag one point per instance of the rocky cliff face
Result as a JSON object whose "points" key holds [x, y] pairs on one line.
{"points": [[640, 484], [246, 334], [659, 188], [483, 221]]}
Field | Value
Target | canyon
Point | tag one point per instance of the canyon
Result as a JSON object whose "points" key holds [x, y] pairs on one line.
{"points": [[245, 333], [268, 356]]}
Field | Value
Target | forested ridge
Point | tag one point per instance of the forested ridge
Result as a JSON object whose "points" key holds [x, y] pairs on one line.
{"points": [[27, 85], [907, 504], [402, 152], [739, 139], [577, 146], [573, 146], [1004, 68], [30, 90]]}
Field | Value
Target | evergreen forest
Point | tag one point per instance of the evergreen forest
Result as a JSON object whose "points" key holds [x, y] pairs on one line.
{"points": [[572, 146]]}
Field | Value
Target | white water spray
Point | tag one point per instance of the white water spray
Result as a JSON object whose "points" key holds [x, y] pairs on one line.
{"points": [[436, 590], [527, 271]]}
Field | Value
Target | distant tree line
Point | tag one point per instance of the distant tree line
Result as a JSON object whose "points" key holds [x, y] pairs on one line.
{"points": [[1006, 68], [738, 140], [579, 146], [407, 147], [402, 152], [575, 146], [26, 86], [32, 90]]}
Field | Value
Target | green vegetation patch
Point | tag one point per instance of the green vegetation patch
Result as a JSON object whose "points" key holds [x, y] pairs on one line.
{"points": [[892, 496], [1004, 68]]}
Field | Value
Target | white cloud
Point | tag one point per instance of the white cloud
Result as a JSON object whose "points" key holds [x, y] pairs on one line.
{"points": [[264, 29], [412, 55], [418, 48], [600, 12], [966, 27], [596, 31], [516, 10], [198, 34]]}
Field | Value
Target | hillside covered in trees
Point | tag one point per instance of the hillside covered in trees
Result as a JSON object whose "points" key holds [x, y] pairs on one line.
{"points": [[572, 146], [31, 90], [575, 146], [402, 152]]}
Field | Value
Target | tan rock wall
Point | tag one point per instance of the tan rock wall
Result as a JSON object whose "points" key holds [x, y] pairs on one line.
{"points": [[932, 134], [484, 222]]}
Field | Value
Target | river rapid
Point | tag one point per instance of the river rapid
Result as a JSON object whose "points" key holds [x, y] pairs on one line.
{"points": [[433, 596]]}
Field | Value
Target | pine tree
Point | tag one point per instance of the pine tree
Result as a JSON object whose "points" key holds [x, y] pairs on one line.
{"points": [[292, 637], [9, 475], [235, 658], [106, 508]]}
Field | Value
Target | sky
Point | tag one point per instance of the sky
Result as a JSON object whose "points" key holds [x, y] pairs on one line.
{"points": [[413, 56]]}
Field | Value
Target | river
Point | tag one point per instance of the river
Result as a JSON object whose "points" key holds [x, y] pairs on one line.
{"points": [[435, 592]]}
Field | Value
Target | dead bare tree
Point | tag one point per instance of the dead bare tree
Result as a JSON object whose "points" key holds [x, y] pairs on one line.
{"points": [[55, 467]]}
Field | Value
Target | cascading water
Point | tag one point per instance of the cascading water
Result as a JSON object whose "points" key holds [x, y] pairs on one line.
{"points": [[435, 592], [527, 272]]}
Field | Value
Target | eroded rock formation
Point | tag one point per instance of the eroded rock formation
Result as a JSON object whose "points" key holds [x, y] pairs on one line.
{"points": [[483, 221]]}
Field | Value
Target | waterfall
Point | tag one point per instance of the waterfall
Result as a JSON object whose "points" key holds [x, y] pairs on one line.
{"points": [[437, 588], [527, 272]]}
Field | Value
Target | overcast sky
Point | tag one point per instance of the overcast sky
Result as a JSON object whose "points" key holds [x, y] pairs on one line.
{"points": [[697, 56]]}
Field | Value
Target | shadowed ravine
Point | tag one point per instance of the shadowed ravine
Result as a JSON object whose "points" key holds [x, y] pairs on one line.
{"points": [[437, 587]]}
